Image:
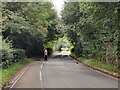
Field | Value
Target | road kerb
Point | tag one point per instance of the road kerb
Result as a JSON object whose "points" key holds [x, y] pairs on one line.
{"points": [[18, 77], [97, 69]]}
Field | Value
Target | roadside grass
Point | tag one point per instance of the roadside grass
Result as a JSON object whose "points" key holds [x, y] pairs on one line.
{"points": [[7, 73], [97, 64]]}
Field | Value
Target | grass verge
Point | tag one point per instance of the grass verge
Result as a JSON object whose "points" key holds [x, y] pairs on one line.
{"points": [[107, 68], [7, 73]]}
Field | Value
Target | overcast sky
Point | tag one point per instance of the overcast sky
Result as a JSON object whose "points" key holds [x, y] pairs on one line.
{"points": [[58, 5]]}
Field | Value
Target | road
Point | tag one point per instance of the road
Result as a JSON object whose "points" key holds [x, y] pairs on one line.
{"points": [[62, 72]]}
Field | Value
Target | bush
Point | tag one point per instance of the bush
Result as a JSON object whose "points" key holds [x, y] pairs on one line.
{"points": [[10, 55], [19, 54], [8, 72], [7, 55], [78, 49]]}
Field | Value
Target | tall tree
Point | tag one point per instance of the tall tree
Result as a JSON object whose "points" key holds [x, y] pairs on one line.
{"points": [[96, 25]]}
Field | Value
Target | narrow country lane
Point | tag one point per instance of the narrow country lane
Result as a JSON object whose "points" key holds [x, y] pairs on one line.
{"points": [[33, 31], [65, 73], [62, 72]]}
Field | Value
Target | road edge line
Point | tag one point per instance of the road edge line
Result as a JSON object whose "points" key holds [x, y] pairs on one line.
{"points": [[19, 76]]}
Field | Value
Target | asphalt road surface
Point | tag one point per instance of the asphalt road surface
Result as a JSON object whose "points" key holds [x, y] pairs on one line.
{"points": [[62, 72]]}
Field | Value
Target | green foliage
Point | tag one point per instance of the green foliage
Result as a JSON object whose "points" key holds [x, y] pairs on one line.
{"points": [[29, 25], [67, 14], [52, 33], [26, 27], [93, 29], [61, 43], [97, 64], [19, 54], [49, 47], [8, 72], [10, 55], [7, 55], [78, 49]]}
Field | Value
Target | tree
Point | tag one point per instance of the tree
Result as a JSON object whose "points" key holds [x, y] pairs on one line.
{"points": [[95, 25], [27, 25]]}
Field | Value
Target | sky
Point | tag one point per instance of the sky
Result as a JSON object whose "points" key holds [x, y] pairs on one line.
{"points": [[58, 4]]}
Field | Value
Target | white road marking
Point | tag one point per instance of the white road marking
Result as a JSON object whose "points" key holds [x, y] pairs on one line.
{"points": [[15, 79], [40, 76], [41, 66], [43, 62], [18, 77], [41, 71]]}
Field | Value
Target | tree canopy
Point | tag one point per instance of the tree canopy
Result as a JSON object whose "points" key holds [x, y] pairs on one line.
{"points": [[27, 26], [93, 29]]}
